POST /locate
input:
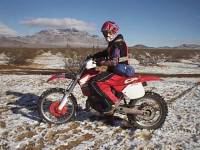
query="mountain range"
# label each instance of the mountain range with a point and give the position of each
(57, 38)
(54, 38)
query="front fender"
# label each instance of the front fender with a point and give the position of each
(61, 76)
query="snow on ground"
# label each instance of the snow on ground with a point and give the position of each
(3, 59)
(48, 60)
(183, 67)
(21, 127)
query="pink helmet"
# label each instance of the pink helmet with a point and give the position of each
(109, 27)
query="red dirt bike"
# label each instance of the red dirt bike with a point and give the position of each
(144, 109)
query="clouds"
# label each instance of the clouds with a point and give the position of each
(6, 31)
(60, 23)
(49, 23)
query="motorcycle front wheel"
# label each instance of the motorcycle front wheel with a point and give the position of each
(154, 108)
(48, 106)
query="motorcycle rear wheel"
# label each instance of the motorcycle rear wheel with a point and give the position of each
(48, 106)
(152, 104)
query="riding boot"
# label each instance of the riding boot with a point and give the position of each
(87, 106)
(113, 108)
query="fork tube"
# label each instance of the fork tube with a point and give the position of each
(69, 90)
(67, 93)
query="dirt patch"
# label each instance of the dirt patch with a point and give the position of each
(51, 136)
(3, 109)
(144, 135)
(18, 70)
(26, 134)
(76, 142)
(34, 145)
(2, 124)
(4, 135)
(97, 144)
(3, 146)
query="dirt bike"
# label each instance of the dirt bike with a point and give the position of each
(144, 109)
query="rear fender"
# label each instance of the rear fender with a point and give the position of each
(149, 78)
(61, 76)
(134, 91)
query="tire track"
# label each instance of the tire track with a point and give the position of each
(172, 100)
(34, 71)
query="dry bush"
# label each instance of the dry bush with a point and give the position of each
(19, 56)
(150, 56)
(154, 55)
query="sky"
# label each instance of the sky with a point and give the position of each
(148, 22)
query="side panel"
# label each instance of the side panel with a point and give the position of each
(134, 91)
(83, 82)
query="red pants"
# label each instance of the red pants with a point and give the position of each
(104, 82)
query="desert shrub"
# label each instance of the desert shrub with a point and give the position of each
(154, 56)
(19, 56)
(147, 56)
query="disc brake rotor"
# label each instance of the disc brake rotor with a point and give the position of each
(149, 113)
(54, 109)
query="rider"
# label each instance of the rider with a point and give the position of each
(116, 53)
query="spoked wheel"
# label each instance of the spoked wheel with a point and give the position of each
(48, 106)
(154, 111)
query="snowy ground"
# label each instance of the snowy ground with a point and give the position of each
(22, 128)
(182, 67)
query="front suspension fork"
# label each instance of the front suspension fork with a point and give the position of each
(63, 102)
(68, 92)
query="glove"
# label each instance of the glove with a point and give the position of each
(104, 63)
(89, 56)
(101, 63)
(101, 68)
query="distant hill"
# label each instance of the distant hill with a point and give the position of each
(182, 46)
(140, 46)
(189, 46)
(16, 42)
(55, 38)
